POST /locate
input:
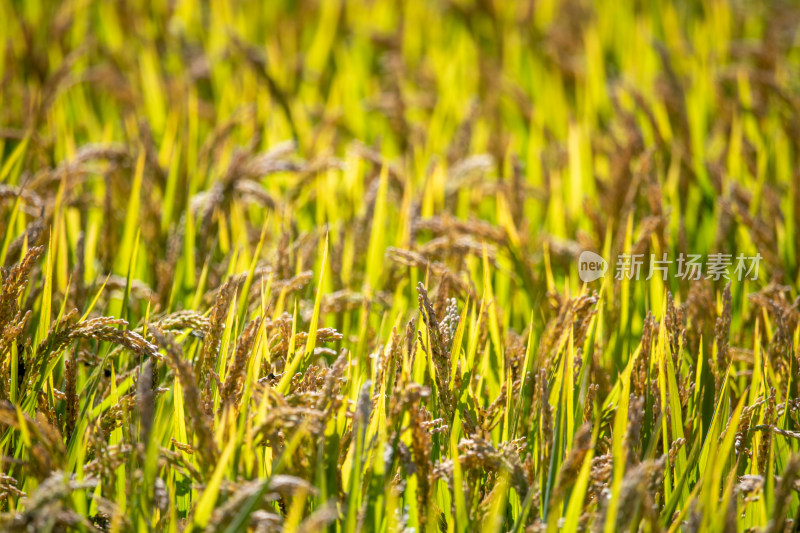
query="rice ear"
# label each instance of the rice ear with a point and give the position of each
(234, 382)
(211, 342)
(202, 424)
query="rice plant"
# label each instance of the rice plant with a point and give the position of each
(321, 265)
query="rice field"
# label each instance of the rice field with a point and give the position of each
(312, 265)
